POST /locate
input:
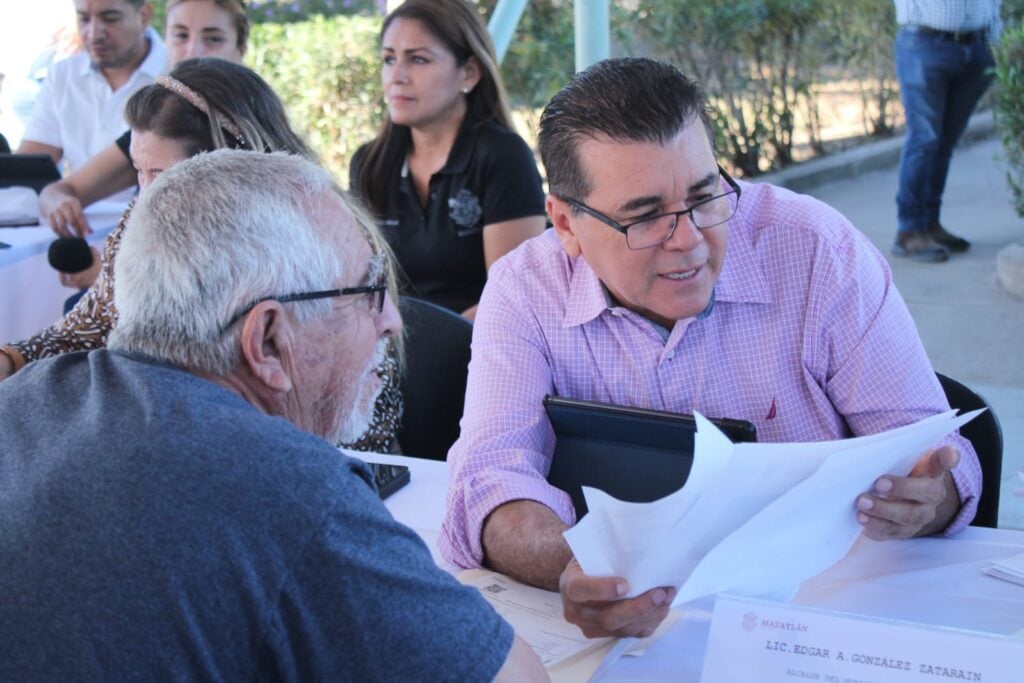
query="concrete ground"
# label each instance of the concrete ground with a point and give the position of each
(972, 329)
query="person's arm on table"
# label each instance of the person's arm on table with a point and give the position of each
(523, 539)
(33, 147)
(880, 378)
(369, 582)
(62, 203)
(88, 324)
(504, 449)
(501, 512)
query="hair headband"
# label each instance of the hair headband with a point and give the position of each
(193, 98)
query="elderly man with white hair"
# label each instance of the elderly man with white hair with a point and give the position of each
(170, 506)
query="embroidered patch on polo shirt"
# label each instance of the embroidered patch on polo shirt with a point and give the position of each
(464, 210)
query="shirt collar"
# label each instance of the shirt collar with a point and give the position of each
(586, 299)
(742, 279)
(155, 62)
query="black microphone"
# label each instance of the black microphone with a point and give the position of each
(69, 254)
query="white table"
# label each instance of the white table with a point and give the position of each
(31, 296)
(932, 581)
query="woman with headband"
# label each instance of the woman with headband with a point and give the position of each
(204, 104)
(195, 28)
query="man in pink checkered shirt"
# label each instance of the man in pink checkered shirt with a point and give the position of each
(634, 298)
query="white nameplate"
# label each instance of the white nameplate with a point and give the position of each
(755, 640)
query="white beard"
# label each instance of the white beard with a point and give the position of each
(359, 417)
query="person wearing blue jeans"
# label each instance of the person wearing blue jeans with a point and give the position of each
(943, 61)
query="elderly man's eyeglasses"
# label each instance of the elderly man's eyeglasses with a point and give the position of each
(652, 231)
(376, 291)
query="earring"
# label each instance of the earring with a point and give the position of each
(465, 91)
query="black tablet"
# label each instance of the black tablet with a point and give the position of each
(633, 454)
(31, 170)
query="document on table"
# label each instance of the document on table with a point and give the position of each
(1011, 569)
(753, 519)
(537, 617)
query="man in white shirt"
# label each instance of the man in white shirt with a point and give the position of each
(80, 109)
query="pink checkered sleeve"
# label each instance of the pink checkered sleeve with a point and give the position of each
(878, 360)
(967, 477)
(503, 451)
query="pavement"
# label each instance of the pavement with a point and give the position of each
(972, 328)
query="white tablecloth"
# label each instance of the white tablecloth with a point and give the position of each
(31, 296)
(936, 581)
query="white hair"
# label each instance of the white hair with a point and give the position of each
(210, 237)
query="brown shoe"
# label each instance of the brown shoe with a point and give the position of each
(948, 239)
(919, 246)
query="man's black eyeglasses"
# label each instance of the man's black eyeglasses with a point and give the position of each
(652, 231)
(378, 289)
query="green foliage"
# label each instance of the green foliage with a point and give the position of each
(1013, 12)
(291, 11)
(286, 11)
(1009, 104)
(761, 60)
(541, 57)
(159, 15)
(702, 39)
(860, 40)
(327, 72)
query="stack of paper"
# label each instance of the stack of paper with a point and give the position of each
(1011, 569)
(753, 519)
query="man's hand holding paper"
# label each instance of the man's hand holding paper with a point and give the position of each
(597, 604)
(522, 530)
(920, 504)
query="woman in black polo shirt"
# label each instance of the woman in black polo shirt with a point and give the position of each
(452, 185)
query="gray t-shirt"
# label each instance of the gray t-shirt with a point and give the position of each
(156, 526)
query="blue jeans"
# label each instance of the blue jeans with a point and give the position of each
(940, 82)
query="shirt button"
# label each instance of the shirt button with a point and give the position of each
(670, 355)
(617, 312)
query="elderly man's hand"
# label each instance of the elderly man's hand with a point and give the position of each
(595, 604)
(917, 505)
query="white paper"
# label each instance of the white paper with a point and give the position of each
(537, 617)
(1011, 569)
(535, 614)
(753, 519)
